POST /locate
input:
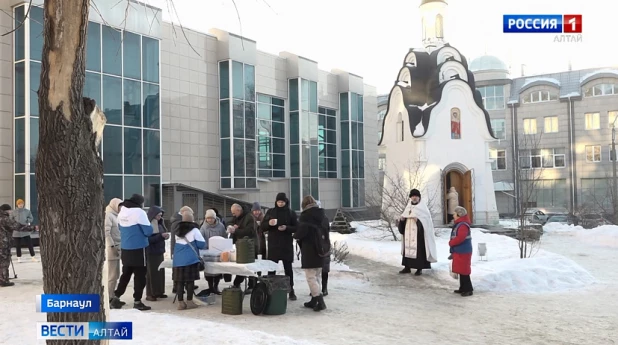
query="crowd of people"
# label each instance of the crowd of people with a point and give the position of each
(135, 241)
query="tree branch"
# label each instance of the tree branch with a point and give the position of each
(22, 22)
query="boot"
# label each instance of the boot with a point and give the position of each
(182, 305)
(151, 298)
(216, 290)
(190, 304)
(418, 272)
(115, 303)
(325, 284)
(140, 306)
(405, 270)
(34, 259)
(293, 296)
(311, 304)
(320, 305)
(7, 284)
(467, 294)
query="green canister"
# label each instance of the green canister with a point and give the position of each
(231, 301)
(245, 251)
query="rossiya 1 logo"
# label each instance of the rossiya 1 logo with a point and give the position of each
(569, 26)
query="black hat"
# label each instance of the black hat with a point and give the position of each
(415, 192)
(5, 207)
(137, 199)
(282, 197)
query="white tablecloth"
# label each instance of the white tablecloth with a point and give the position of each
(248, 270)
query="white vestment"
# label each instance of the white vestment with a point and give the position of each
(409, 245)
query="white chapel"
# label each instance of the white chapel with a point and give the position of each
(436, 123)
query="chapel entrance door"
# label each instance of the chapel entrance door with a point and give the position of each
(463, 185)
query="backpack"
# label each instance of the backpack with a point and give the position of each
(322, 240)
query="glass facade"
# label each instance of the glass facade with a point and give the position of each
(270, 136)
(122, 75)
(327, 136)
(237, 120)
(304, 142)
(352, 150)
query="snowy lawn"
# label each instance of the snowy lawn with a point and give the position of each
(602, 236)
(502, 272)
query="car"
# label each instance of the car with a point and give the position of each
(540, 215)
(592, 220)
(561, 219)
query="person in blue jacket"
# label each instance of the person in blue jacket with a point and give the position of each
(135, 229)
(185, 263)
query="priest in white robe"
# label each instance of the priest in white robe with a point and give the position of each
(418, 245)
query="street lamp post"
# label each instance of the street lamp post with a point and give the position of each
(615, 196)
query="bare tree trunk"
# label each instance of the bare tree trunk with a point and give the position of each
(69, 172)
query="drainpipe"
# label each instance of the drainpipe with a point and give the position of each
(572, 156)
(515, 157)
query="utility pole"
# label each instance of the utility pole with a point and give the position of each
(615, 196)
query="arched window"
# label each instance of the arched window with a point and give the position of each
(455, 123)
(604, 89)
(399, 128)
(439, 26)
(381, 114)
(540, 96)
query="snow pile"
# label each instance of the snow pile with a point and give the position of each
(560, 228)
(540, 79)
(502, 272)
(509, 223)
(603, 236)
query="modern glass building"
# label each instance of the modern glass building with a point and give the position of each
(193, 119)
(122, 75)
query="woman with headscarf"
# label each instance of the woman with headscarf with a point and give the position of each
(23, 236)
(212, 227)
(155, 279)
(280, 222)
(112, 246)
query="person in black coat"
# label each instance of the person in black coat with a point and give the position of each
(280, 224)
(314, 241)
(155, 278)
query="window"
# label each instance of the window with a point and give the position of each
(381, 114)
(327, 137)
(93, 48)
(112, 99)
(593, 153)
(270, 136)
(529, 126)
(611, 154)
(112, 51)
(352, 150)
(611, 116)
(238, 126)
(381, 163)
(112, 150)
(132, 151)
(151, 105)
(499, 128)
(596, 192)
(152, 152)
(498, 159)
(545, 193)
(593, 121)
(540, 96)
(601, 90)
(493, 97)
(132, 51)
(132, 103)
(542, 158)
(551, 124)
(150, 59)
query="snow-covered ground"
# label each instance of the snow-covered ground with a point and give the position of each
(501, 270)
(368, 299)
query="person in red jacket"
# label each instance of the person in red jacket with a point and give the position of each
(461, 249)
